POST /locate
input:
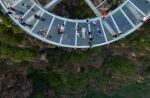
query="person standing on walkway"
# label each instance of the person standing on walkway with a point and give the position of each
(83, 31)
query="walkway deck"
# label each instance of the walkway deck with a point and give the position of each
(125, 19)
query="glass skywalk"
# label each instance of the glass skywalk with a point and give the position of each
(78, 33)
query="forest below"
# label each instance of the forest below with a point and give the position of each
(30, 68)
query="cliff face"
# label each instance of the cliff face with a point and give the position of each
(13, 81)
(32, 69)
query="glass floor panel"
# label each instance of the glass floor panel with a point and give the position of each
(134, 15)
(107, 33)
(123, 24)
(43, 25)
(83, 41)
(53, 31)
(70, 33)
(142, 5)
(24, 6)
(97, 33)
(111, 23)
(29, 17)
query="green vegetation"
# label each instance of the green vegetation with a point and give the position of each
(131, 91)
(119, 70)
(8, 23)
(16, 54)
(11, 42)
(78, 13)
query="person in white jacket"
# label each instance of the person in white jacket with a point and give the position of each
(83, 31)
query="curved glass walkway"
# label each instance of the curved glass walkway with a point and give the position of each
(60, 31)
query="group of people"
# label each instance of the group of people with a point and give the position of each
(61, 29)
(16, 13)
(144, 19)
(80, 31)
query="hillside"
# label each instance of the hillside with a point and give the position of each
(32, 69)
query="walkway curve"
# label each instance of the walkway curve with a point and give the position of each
(122, 21)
